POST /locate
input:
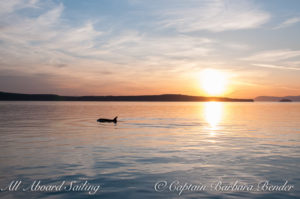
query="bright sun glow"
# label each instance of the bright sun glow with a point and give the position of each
(214, 82)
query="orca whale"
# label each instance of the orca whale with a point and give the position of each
(108, 120)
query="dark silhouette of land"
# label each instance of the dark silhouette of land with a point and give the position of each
(4, 96)
(277, 99)
(285, 100)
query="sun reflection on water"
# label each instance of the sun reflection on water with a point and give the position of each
(213, 114)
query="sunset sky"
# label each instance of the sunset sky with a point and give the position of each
(133, 47)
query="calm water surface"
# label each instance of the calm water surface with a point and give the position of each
(168, 142)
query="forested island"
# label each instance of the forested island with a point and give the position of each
(4, 96)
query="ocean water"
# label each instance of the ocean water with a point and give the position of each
(156, 150)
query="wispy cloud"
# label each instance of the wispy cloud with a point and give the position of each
(284, 59)
(215, 16)
(42, 39)
(288, 22)
(276, 66)
(274, 55)
(11, 6)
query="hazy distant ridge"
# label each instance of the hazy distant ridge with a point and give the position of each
(166, 97)
(276, 99)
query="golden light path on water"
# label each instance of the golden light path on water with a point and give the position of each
(213, 112)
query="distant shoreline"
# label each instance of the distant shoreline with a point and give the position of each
(5, 96)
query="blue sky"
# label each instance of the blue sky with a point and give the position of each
(133, 47)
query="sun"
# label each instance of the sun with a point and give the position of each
(213, 82)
